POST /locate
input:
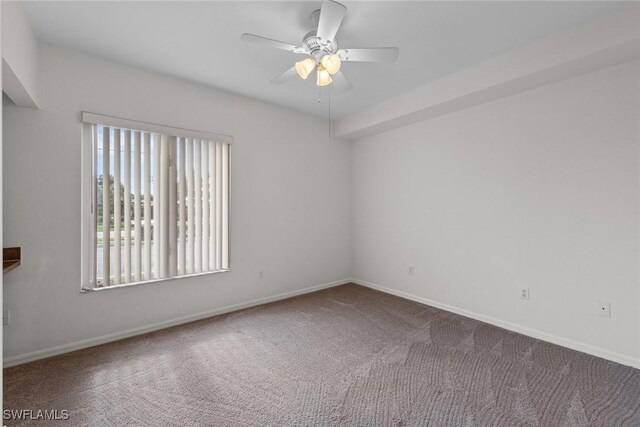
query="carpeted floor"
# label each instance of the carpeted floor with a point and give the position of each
(343, 356)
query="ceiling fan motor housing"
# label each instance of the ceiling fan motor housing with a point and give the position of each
(315, 47)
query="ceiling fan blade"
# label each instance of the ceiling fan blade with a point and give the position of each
(373, 54)
(286, 76)
(331, 16)
(341, 82)
(252, 38)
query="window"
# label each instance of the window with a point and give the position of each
(155, 202)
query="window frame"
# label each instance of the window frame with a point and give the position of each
(89, 159)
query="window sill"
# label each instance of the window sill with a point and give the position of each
(87, 290)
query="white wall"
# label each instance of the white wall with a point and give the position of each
(290, 210)
(536, 190)
(20, 51)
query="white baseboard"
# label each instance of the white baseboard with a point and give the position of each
(534, 333)
(103, 339)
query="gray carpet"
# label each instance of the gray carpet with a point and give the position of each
(343, 356)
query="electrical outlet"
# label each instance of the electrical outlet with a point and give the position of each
(411, 270)
(604, 309)
(6, 317)
(524, 293)
(260, 274)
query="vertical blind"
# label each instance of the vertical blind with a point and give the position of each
(161, 205)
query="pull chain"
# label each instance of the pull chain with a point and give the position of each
(329, 89)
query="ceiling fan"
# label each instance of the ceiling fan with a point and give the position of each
(321, 47)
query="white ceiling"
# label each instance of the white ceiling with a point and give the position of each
(200, 41)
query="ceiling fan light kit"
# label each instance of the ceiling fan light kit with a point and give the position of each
(304, 68)
(324, 78)
(321, 47)
(331, 63)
